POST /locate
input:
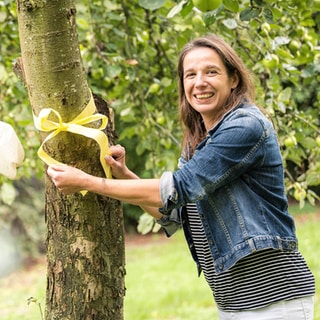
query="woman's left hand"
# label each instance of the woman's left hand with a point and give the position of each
(117, 161)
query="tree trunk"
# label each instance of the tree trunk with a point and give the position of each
(85, 240)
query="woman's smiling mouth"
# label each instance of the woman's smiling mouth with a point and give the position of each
(204, 95)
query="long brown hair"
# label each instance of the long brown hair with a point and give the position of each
(195, 130)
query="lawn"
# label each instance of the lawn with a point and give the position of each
(161, 281)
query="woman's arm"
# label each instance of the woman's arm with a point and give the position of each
(135, 191)
(131, 189)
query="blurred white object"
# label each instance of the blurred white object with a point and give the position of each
(12, 153)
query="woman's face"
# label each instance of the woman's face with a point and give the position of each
(207, 84)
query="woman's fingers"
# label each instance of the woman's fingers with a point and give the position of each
(55, 168)
(118, 152)
(67, 179)
(117, 157)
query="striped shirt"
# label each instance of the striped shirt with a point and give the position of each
(255, 281)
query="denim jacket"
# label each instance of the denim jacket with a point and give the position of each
(236, 179)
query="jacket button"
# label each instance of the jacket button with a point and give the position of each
(220, 266)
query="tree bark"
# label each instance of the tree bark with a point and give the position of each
(85, 237)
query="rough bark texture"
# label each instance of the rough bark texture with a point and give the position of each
(85, 240)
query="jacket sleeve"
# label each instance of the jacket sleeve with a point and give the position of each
(170, 222)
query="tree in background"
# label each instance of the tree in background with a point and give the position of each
(85, 242)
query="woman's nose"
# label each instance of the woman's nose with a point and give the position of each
(200, 80)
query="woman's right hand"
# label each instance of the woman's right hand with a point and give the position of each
(117, 161)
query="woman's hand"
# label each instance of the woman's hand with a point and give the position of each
(117, 162)
(68, 179)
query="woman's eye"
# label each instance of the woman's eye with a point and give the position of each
(212, 72)
(189, 74)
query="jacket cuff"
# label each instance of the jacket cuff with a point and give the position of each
(170, 223)
(168, 192)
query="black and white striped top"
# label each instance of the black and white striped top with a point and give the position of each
(255, 281)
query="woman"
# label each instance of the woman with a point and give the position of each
(228, 193)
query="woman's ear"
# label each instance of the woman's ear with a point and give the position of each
(235, 80)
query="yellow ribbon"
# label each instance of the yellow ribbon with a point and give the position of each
(87, 116)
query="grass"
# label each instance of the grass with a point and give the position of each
(17, 288)
(161, 281)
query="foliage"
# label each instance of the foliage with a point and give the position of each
(130, 49)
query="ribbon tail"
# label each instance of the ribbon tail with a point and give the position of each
(44, 155)
(106, 168)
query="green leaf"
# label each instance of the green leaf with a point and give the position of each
(3, 17)
(146, 223)
(152, 4)
(8, 193)
(113, 71)
(268, 15)
(249, 13)
(285, 95)
(282, 53)
(176, 9)
(3, 73)
(232, 5)
(308, 72)
(128, 132)
(275, 13)
(230, 23)
(166, 82)
(209, 18)
(307, 142)
(280, 41)
(259, 2)
(82, 24)
(187, 9)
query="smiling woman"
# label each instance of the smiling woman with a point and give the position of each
(228, 194)
(226, 60)
(207, 84)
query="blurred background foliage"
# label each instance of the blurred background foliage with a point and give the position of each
(129, 51)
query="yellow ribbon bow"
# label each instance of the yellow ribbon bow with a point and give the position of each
(87, 116)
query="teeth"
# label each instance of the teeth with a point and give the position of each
(204, 96)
